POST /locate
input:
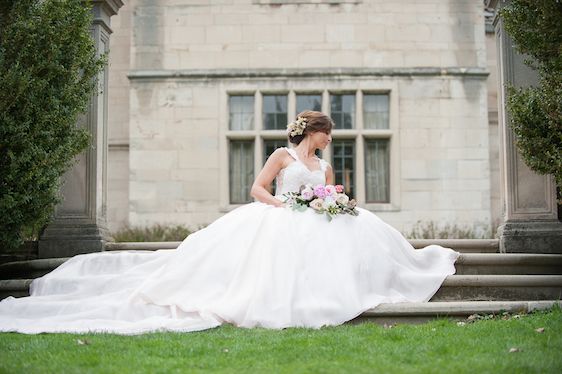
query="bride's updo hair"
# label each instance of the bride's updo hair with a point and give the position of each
(315, 122)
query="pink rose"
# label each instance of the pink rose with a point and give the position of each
(330, 190)
(320, 191)
(339, 188)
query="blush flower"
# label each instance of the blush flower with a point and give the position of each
(317, 204)
(322, 199)
(339, 188)
(330, 190)
(307, 193)
(320, 191)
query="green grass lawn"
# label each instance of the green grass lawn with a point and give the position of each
(438, 346)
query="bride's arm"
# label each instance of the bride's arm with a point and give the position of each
(271, 168)
(329, 175)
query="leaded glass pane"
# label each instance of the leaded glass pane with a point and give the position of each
(342, 109)
(241, 170)
(343, 164)
(275, 112)
(241, 112)
(309, 102)
(377, 170)
(375, 111)
(269, 146)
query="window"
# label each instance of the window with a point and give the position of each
(275, 112)
(377, 173)
(343, 164)
(241, 156)
(375, 111)
(309, 102)
(363, 149)
(342, 109)
(241, 112)
(269, 146)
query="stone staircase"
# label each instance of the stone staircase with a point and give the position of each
(486, 282)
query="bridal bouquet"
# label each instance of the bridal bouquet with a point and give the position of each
(329, 200)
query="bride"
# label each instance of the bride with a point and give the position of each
(263, 264)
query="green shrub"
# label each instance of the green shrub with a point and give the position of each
(536, 112)
(48, 65)
(156, 233)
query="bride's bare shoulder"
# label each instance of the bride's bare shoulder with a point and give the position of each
(281, 157)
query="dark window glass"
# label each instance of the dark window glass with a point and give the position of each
(377, 170)
(269, 146)
(309, 102)
(375, 111)
(343, 164)
(241, 170)
(241, 112)
(342, 109)
(275, 112)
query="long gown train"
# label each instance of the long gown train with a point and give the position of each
(256, 266)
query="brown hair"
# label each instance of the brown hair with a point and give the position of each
(316, 122)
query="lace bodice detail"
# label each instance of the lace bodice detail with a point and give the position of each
(296, 174)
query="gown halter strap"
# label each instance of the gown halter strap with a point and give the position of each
(292, 152)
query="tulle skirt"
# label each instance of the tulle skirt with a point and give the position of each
(255, 266)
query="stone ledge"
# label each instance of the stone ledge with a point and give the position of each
(485, 245)
(135, 246)
(474, 72)
(15, 285)
(489, 245)
(458, 308)
(503, 281)
(494, 259)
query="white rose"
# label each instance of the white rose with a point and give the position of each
(316, 204)
(342, 199)
(329, 202)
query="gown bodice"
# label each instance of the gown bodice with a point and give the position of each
(296, 174)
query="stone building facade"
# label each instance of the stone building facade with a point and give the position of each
(201, 90)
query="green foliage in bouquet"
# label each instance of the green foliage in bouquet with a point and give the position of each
(536, 112)
(48, 65)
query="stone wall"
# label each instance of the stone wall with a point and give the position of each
(186, 56)
(118, 118)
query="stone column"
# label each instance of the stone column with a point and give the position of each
(529, 199)
(79, 223)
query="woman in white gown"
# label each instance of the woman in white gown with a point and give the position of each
(262, 264)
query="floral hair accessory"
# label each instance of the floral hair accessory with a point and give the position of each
(297, 127)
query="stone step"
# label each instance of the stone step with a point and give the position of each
(460, 245)
(500, 287)
(14, 287)
(508, 263)
(467, 264)
(454, 288)
(31, 268)
(421, 312)
(387, 313)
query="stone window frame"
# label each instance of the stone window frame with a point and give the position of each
(299, 2)
(359, 133)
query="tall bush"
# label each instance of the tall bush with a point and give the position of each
(48, 66)
(536, 112)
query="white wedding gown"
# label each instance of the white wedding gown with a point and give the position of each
(256, 266)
